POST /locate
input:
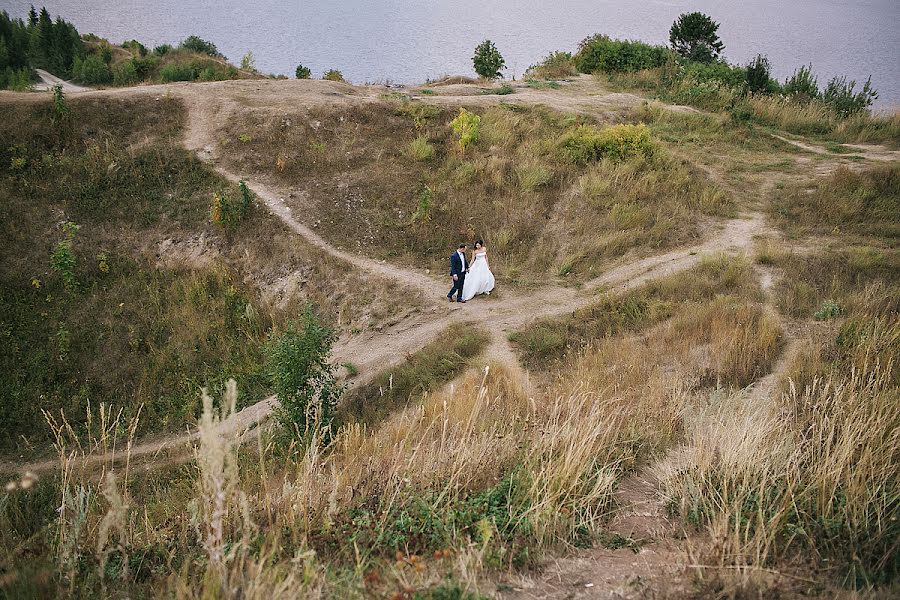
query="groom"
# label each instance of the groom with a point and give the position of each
(458, 270)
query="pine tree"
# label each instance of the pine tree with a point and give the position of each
(32, 17)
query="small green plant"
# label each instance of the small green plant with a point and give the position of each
(427, 92)
(488, 61)
(61, 110)
(759, 75)
(103, 262)
(352, 369)
(245, 138)
(303, 378)
(333, 75)
(227, 211)
(420, 149)
(503, 90)
(467, 126)
(423, 210)
(537, 84)
(302, 72)
(802, 85)
(248, 62)
(830, 310)
(694, 36)
(62, 259)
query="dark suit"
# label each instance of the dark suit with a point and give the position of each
(458, 265)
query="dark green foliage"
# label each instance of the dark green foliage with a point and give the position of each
(802, 85)
(302, 376)
(759, 76)
(196, 44)
(720, 72)
(62, 259)
(162, 49)
(487, 60)
(178, 72)
(693, 36)
(333, 75)
(601, 53)
(92, 70)
(38, 43)
(302, 72)
(136, 48)
(843, 98)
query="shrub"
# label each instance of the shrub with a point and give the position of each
(302, 377)
(487, 60)
(136, 48)
(423, 209)
(62, 259)
(586, 143)
(557, 65)
(720, 72)
(92, 70)
(125, 74)
(420, 149)
(759, 76)
(162, 49)
(248, 62)
(302, 72)
(802, 85)
(227, 211)
(333, 75)
(843, 98)
(467, 126)
(601, 53)
(178, 72)
(693, 36)
(196, 44)
(18, 80)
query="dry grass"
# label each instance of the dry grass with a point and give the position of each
(362, 169)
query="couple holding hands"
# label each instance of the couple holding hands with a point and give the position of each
(470, 278)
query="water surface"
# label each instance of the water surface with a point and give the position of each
(410, 40)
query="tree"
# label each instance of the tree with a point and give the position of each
(302, 377)
(302, 72)
(693, 36)
(487, 60)
(759, 75)
(32, 17)
(201, 46)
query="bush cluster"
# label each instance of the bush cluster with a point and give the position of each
(467, 126)
(586, 143)
(602, 53)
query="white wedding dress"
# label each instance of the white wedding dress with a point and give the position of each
(479, 279)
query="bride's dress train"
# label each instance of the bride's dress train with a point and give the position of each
(479, 279)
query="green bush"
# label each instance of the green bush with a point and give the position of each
(178, 72)
(302, 72)
(196, 44)
(228, 211)
(92, 70)
(137, 49)
(557, 65)
(586, 143)
(802, 85)
(601, 53)
(841, 96)
(720, 72)
(16, 80)
(467, 126)
(302, 377)
(125, 74)
(62, 259)
(759, 76)
(162, 49)
(333, 75)
(487, 60)
(693, 36)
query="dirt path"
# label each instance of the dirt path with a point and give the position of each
(49, 81)
(867, 151)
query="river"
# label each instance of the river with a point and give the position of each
(408, 41)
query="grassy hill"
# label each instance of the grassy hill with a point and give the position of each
(690, 354)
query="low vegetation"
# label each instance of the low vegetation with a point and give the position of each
(610, 189)
(118, 287)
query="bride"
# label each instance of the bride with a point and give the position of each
(479, 279)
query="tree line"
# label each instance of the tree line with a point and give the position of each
(37, 42)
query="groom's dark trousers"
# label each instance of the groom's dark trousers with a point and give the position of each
(458, 268)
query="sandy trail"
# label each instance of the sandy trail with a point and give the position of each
(49, 81)
(209, 105)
